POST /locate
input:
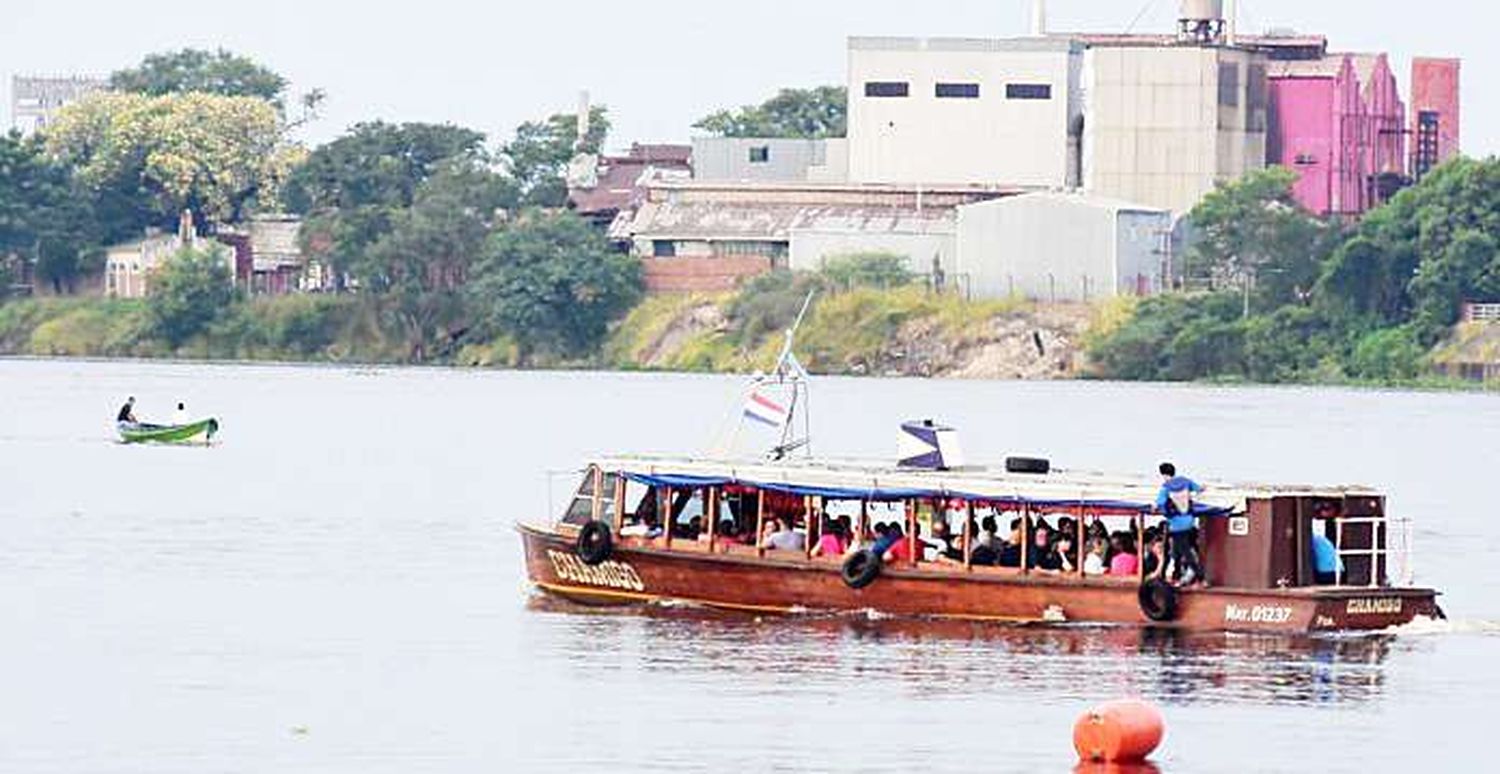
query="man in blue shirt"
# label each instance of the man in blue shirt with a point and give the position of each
(1175, 501)
(1327, 566)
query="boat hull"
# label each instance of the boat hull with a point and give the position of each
(637, 574)
(201, 431)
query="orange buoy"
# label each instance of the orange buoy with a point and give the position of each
(1118, 732)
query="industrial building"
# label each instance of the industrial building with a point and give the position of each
(1063, 247)
(957, 111)
(767, 160)
(1435, 126)
(36, 100)
(1105, 140)
(699, 236)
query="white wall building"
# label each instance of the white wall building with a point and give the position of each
(1164, 124)
(925, 240)
(961, 111)
(757, 159)
(1062, 247)
(36, 100)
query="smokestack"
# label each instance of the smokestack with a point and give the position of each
(1039, 19)
(583, 120)
(1231, 22)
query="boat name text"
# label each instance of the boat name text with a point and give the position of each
(610, 575)
(1272, 614)
(1388, 606)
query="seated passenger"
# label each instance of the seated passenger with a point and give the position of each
(782, 537)
(1124, 562)
(644, 527)
(1042, 555)
(893, 547)
(1010, 553)
(943, 545)
(989, 534)
(1062, 551)
(832, 542)
(1094, 564)
(1155, 556)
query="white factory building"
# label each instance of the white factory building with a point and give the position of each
(1063, 247)
(957, 111)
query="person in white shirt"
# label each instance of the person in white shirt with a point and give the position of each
(180, 416)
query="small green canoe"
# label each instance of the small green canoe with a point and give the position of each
(141, 433)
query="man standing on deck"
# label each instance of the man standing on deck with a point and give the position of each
(1175, 502)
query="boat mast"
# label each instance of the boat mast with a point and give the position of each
(790, 371)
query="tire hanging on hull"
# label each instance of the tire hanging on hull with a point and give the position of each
(861, 569)
(1158, 600)
(595, 543)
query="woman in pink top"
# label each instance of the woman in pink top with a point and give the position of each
(832, 543)
(1125, 561)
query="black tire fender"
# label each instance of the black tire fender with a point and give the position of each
(1158, 600)
(861, 569)
(595, 543)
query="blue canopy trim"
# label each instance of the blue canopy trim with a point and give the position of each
(896, 494)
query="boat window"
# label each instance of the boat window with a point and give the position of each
(581, 509)
(688, 508)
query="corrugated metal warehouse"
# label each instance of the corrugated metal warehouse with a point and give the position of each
(1062, 247)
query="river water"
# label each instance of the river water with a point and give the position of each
(336, 586)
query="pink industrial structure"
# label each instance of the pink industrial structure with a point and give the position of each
(1338, 121)
(1434, 113)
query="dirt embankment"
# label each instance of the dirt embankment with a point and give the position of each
(871, 334)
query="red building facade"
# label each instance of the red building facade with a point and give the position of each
(1435, 126)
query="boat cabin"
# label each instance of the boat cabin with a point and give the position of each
(1024, 520)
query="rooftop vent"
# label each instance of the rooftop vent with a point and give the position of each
(1201, 22)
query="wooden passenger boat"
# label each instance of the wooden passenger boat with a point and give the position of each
(1255, 541)
(192, 432)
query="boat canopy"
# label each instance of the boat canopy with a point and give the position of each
(1058, 490)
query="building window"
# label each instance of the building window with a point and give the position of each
(664, 248)
(958, 91)
(760, 154)
(1306, 160)
(1028, 91)
(1229, 85)
(887, 89)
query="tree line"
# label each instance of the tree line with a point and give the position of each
(444, 235)
(1295, 298)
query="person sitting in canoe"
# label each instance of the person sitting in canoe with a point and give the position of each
(127, 412)
(180, 416)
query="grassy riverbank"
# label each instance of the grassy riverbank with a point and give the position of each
(863, 331)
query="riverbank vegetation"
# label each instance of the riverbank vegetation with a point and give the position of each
(1290, 298)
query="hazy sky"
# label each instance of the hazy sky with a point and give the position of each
(658, 64)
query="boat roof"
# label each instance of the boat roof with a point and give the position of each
(874, 480)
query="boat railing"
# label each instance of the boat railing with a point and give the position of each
(1389, 552)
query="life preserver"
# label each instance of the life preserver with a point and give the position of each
(861, 569)
(595, 543)
(1158, 600)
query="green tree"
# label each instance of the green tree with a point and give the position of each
(1425, 252)
(538, 156)
(420, 267)
(188, 292)
(45, 218)
(1254, 231)
(869, 269)
(810, 113)
(551, 283)
(193, 70)
(221, 157)
(351, 190)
